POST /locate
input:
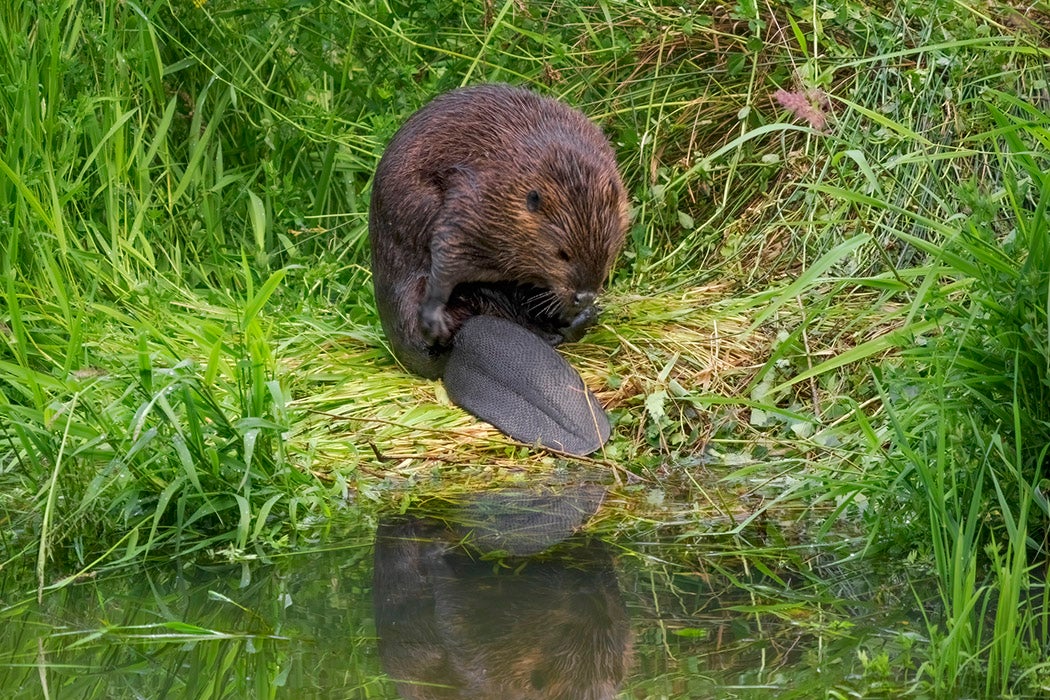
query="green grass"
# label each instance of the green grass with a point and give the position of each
(974, 435)
(838, 337)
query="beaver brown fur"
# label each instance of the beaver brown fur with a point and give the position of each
(492, 200)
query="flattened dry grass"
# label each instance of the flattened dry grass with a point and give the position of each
(362, 411)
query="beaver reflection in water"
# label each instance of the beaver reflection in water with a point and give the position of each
(492, 200)
(452, 625)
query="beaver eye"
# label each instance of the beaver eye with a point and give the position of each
(532, 200)
(563, 255)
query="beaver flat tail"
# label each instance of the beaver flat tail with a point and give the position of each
(509, 377)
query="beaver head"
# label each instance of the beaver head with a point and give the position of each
(559, 224)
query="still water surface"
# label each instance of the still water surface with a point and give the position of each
(498, 597)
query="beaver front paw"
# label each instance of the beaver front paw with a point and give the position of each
(434, 323)
(578, 326)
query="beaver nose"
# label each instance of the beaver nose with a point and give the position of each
(582, 300)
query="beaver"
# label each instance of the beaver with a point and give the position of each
(492, 200)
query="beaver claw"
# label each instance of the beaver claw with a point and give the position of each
(433, 323)
(578, 326)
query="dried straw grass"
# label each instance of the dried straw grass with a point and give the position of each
(367, 420)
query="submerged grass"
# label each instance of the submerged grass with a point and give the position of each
(829, 325)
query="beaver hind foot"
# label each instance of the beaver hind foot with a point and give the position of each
(512, 378)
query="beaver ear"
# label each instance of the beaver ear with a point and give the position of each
(532, 200)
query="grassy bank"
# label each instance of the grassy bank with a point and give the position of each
(831, 312)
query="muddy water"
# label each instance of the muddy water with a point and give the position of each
(492, 598)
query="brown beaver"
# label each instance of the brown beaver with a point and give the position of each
(492, 200)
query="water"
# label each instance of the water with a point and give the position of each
(491, 598)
